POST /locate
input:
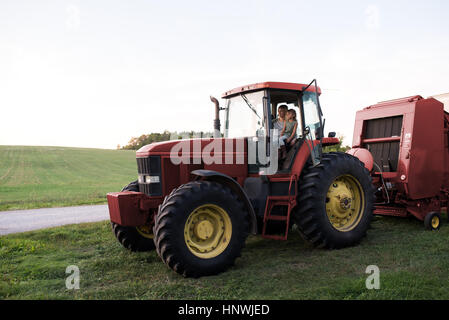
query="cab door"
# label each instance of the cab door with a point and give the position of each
(312, 119)
(260, 146)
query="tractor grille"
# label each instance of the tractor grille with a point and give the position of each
(385, 154)
(150, 166)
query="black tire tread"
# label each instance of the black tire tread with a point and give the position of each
(428, 221)
(308, 217)
(165, 225)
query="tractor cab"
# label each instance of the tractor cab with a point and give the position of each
(252, 112)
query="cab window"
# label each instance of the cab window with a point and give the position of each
(291, 100)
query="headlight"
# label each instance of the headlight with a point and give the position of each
(152, 179)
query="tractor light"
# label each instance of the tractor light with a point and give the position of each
(152, 179)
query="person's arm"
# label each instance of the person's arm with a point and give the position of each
(283, 129)
(293, 133)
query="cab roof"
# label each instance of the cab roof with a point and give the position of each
(267, 85)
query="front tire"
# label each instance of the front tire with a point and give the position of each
(138, 239)
(336, 202)
(200, 229)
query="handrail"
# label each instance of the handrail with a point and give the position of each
(381, 140)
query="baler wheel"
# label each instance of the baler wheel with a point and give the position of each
(432, 221)
(336, 200)
(134, 238)
(200, 229)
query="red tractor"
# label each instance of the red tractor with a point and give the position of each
(197, 200)
(404, 143)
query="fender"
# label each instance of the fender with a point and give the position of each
(210, 175)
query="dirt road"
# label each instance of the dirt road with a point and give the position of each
(34, 219)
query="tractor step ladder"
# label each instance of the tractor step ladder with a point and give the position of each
(273, 201)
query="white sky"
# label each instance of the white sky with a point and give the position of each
(96, 73)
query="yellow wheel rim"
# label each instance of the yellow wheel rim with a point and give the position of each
(207, 231)
(435, 222)
(145, 231)
(345, 203)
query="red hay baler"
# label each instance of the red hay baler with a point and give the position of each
(404, 144)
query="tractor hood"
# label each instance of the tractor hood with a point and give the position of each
(156, 148)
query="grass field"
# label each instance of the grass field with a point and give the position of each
(413, 264)
(36, 177)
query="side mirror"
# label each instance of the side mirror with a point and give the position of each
(332, 134)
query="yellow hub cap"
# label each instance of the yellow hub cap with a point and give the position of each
(207, 231)
(345, 203)
(435, 222)
(145, 231)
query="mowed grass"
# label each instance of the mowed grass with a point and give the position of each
(36, 177)
(413, 264)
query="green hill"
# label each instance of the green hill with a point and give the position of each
(36, 177)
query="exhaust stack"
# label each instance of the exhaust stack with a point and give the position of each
(217, 124)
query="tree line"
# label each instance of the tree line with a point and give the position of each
(136, 143)
(338, 147)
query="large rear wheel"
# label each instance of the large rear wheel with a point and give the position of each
(336, 201)
(200, 229)
(134, 238)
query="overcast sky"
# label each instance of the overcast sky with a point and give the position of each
(96, 73)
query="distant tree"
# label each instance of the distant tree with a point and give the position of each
(194, 134)
(338, 147)
(136, 143)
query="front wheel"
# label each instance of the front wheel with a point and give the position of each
(200, 229)
(336, 200)
(137, 239)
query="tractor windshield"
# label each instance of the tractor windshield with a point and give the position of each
(311, 114)
(244, 115)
